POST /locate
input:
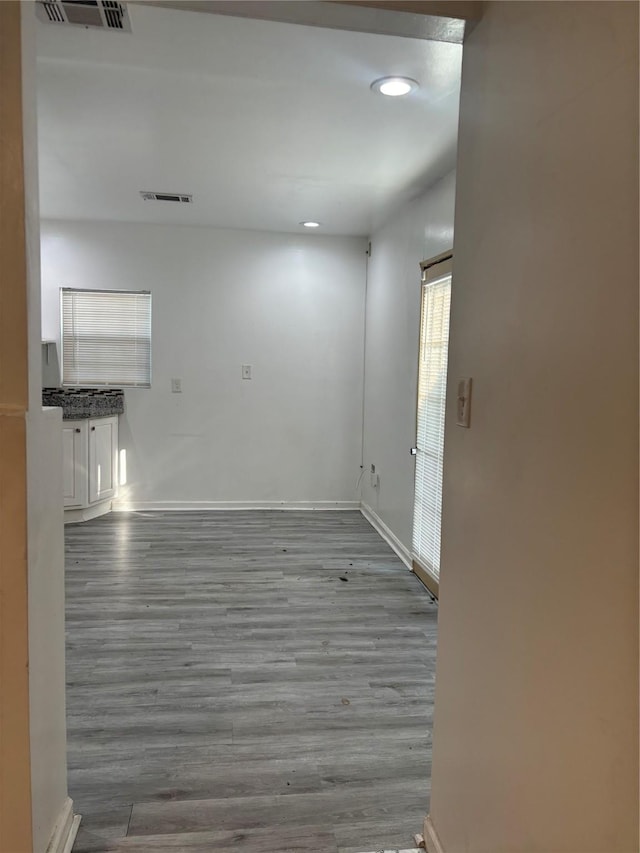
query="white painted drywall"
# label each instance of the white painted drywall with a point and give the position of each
(419, 230)
(46, 623)
(536, 704)
(44, 514)
(291, 306)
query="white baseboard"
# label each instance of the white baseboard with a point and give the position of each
(68, 847)
(71, 516)
(431, 839)
(212, 506)
(387, 534)
(65, 829)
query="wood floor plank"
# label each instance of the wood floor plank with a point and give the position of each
(255, 681)
(298, 839)
(372, 801)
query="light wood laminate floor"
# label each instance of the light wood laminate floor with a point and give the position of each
(246, 681)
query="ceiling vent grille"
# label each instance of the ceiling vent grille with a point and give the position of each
(183, 198)
(91, 14)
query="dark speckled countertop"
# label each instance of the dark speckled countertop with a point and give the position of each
(78, 403)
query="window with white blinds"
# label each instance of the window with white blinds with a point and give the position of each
(432, 392)
(106, 337)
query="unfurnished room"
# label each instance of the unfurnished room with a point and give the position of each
(319, 426)
(226, 204)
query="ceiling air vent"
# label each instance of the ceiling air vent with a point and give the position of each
(179, 197)
(92, 14)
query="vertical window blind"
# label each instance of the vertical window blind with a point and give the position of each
(106, 337)
(432, 393)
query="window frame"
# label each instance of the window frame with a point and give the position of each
(432, 271)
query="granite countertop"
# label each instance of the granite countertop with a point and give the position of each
(79, 403)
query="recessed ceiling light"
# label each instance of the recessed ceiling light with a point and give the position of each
(394, 87)
(310, 224)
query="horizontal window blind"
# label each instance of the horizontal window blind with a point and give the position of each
(106, 337)
(432, 393)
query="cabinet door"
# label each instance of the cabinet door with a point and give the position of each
(103, 458)
(74, 463)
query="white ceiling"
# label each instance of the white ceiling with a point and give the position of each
(266, 124)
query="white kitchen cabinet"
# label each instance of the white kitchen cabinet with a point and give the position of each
(74, 459)
(103, 458)
(90, 466)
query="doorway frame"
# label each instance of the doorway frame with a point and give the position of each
(15, 748)
(16, 813)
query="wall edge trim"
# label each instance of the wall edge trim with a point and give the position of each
(73, 831)
(214, 506)
(65, 829)
(431, 837)
(387, 534)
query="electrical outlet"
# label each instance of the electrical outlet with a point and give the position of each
(246, 371)
(176, 386)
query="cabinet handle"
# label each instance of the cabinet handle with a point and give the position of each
(93, 429)
(78, 429)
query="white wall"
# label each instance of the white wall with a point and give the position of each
(46, 625)
(418, 231)
(536, 704)
(290, 305)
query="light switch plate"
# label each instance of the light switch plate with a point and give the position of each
(246, 371)
(463, 403)
(176, 386)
